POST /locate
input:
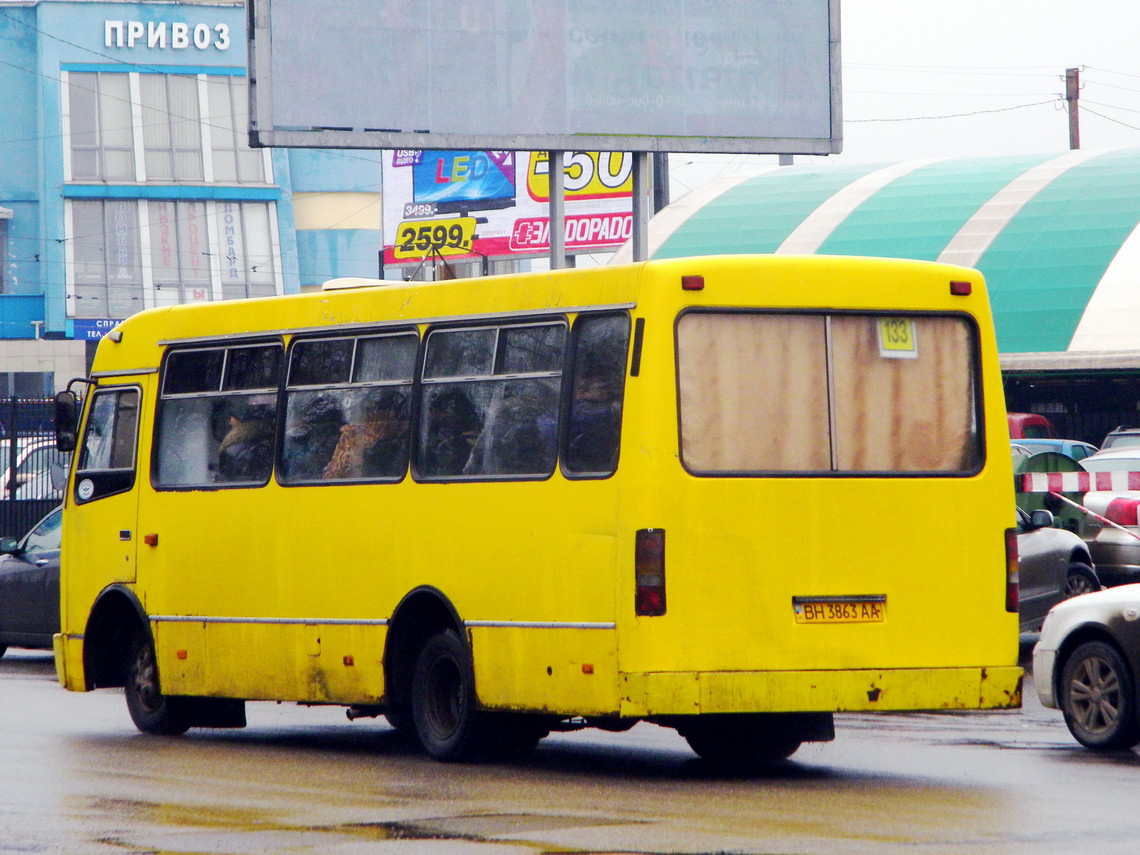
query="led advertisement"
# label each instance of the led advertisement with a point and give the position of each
(468, 205)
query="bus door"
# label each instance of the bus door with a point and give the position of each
(104, 532)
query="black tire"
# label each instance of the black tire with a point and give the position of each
(1080, 580)
(3, 650)
(443, 699)
(401, 720)
(741, 742)
(151, 711)
(1098, 698)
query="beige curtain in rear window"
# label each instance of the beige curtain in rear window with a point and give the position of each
(753, 392)
(903, 415)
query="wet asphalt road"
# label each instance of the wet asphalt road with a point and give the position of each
(75, 777)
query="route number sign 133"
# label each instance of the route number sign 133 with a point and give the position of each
(897, 338)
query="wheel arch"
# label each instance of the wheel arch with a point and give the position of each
(422, 612)
(115, 618)
(1081, 555)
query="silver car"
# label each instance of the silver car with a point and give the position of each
(1085, 664)
(1053, 564)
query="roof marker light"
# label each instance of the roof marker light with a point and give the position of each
(692, 283)
(961, 289)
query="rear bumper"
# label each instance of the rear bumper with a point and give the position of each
(914, 689)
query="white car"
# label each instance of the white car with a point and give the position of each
(1085, 664)
(1115, 548)
(33, 471)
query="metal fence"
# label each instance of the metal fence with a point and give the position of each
(27, 457)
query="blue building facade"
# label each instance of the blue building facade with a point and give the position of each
(127, 182)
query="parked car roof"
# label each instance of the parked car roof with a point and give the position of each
(1124, 458)
(1028, 424)
(1120, 437)
(1075, 448)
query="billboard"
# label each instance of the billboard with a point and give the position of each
(485, 203)
(747, 76)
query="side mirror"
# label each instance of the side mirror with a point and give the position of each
(66, 421)
(57, 475)
(1041, 518)
(9, 545)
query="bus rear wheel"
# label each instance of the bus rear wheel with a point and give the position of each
(151, 711)
(741, 742)
(443, 698)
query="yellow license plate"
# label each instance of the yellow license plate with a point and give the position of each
(840, 609)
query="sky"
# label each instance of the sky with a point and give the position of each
(960, 78)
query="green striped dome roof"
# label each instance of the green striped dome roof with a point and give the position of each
(1053, 234)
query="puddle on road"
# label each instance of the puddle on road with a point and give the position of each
(214, 831)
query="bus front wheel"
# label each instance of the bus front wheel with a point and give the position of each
(443, 698)
(151, 711)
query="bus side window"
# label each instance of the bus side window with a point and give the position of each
(348, 405)
(593, 424)
(217, 416)
(489, 405)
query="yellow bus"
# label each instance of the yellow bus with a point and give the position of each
(728, 495)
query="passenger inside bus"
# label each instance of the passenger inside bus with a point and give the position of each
(377, 445)
(451, 430)
(246, 451)
(595, 421)
(312, 432)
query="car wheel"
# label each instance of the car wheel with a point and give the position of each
(1080, 580)
(3, 650)
(151, 711)
(443, 698)
(741, 742)
(1098, 698)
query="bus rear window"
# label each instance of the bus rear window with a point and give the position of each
(812, 393)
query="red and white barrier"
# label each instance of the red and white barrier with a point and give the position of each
(1078, 482)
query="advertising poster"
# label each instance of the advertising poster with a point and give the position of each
(468, 205)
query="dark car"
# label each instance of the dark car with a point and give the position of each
(1086, 665)
(29, 586)
(1053, 565)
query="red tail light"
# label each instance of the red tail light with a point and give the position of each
(1122, 511)
(1012, 585)
(649, 565)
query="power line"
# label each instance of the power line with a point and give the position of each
(952, 115)
(1110, 71)
(1108, 118)
(1109, 106)
(970, 71)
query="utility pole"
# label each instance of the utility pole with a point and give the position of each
(1072, 93)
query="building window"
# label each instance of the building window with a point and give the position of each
(25, 384)
(106, 264)
(179, 251)
(102, 145)
(234, 161)
(172, 141)
(176, 143)
(245, 250)
(198, 251)
(3, 255)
